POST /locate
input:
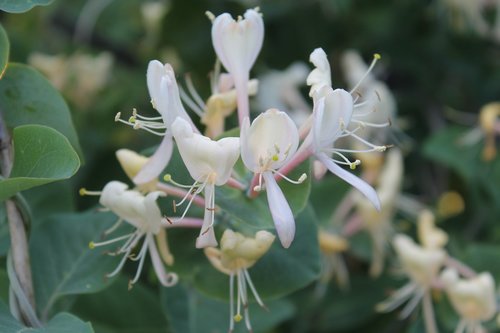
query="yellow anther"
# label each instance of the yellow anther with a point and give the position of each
(118, 116)
(210, 15)
(82, 191)
(377, 56)
(167, 177)
(353, 166)
(237, 318)
(91, 245)
(257, 188)
(132, 119)
(276, 158)
(302, 178)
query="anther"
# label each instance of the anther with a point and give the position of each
(302, 178)
(257, 188)
(237, 318)
(167, 177)
(118, 116)
(210, 15)
(91, 245)
(275, 158)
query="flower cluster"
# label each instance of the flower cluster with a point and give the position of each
(271, 146)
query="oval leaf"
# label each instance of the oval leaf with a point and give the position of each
(21, 6)
(4, 50)
(191, 312)
(26, 97)
(62, 262)
(41, 155)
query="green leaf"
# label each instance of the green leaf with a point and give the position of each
(41, 155)
(191, 312)
(4, 50)
(62, 262)
(26, 97)
(445, 147)
(61, 323)
(281, 271)
(119, 310)
(64, 323)
(21, 6)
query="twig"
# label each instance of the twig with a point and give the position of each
(18, 240)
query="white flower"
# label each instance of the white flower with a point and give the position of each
(473, 299)
(379, 223)
(236, 255)
(281, 90)
(422, 265)
(429, 235)
(321, 75)
(379, 104)
(143, 213)
(237, 44)
(266, 146)
(209, 163)
(332, 115)
(165, 98)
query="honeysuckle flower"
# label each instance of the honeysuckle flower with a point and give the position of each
(334, 111)
(165, 99)
(221, 103)
(487, 129)
(132, 162)
(281, 90)
(332, 115)
(332, 246)
(320, 76)
(267, 145)
(379, 104)
(473, 299)
(236, 255)
(379, 223)
(237, 45)
(79, 76)
(209, 163)
(429, 235)
(422, 265)
(142, 212)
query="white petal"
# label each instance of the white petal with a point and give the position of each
(246, 154)
(237, 44)
(321, 75)
(355, 181)
(337, 110)
(166, 279)
(157, 162)
(111, 192)
(272, 133)
(280, 211)
(204, 157)
(152, 213)
(207, 234)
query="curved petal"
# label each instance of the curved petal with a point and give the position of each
(355, 181)
(280, 210)
(207, 234)
(157, 162)
(166, 279)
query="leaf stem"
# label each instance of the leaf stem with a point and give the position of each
(18, 239)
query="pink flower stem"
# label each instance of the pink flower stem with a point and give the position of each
(241, 86)
(463, 269)
(234, 183)
(353, 226)
(179, 193)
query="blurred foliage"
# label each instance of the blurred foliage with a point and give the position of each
(431, 68)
